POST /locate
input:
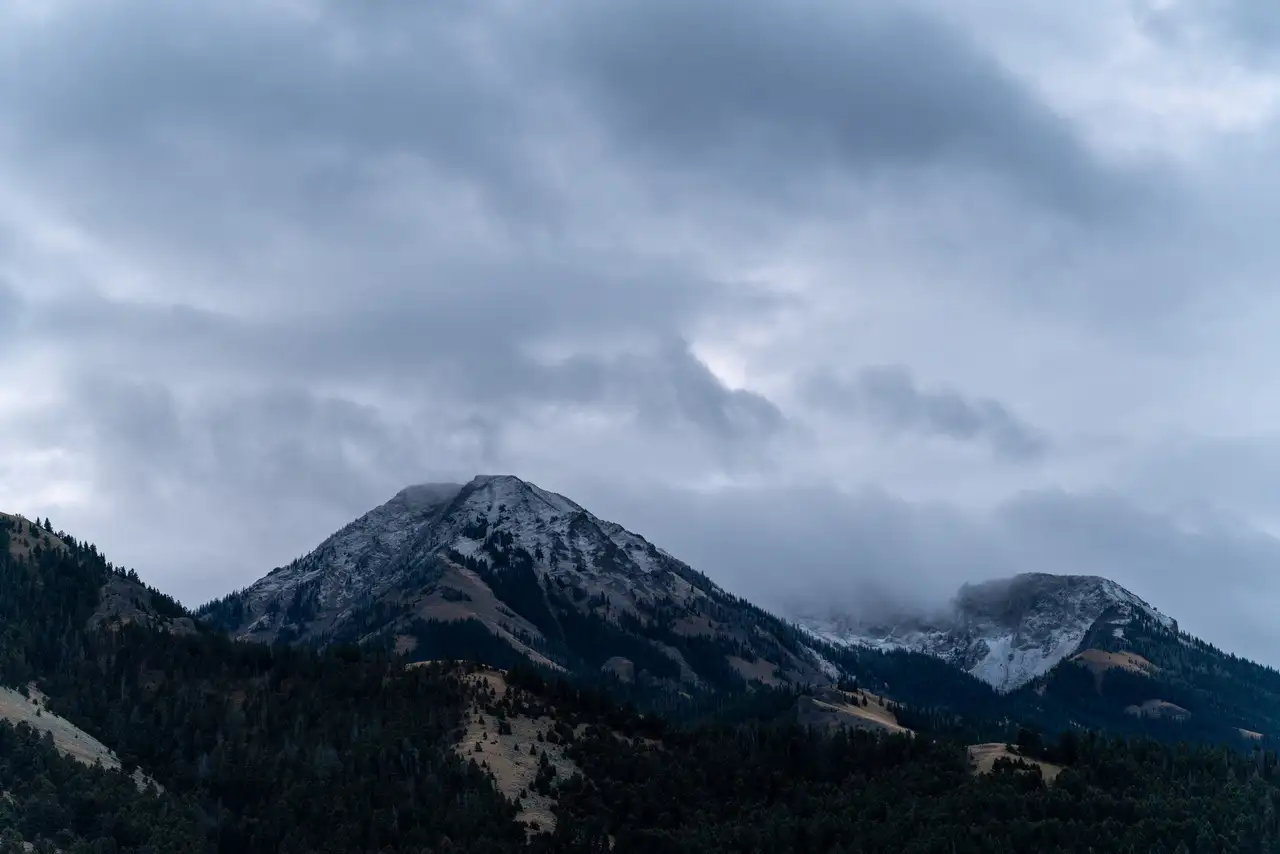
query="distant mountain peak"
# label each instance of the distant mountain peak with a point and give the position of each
(1006, 632)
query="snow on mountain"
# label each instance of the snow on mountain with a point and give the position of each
(372, 554)
(522, 561)
(1007, 632)
(344, 563)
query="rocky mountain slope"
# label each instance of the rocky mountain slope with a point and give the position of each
(290, 748)
(1068, 652)
(501, 572)
(500, 567)
(1006, 633)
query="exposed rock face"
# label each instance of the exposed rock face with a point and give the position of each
(1005, 632)
(534, 568)
(124, 601)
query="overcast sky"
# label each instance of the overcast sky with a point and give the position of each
(832, 299)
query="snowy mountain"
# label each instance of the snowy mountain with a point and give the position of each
(501, 571)
(1006, 633)
(531, 570)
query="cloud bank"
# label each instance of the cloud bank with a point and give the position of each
(834, 302)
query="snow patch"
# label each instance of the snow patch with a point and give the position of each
(829, 670)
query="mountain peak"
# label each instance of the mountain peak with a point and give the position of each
(508, 485)
(535, 574)
(1006, 631)
(500, 479)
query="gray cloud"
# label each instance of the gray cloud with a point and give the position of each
(775, 95)
(669, 384)
(11, 310)
(265, 264)
(809, 550)
(888, 396)
(421, 347)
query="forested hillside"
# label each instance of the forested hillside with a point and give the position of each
(289, 749)
(271, 749)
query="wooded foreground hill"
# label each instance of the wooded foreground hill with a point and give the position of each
(254, 748)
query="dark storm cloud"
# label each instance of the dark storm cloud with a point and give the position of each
(128, 80)
(888, 397)
(775, 94)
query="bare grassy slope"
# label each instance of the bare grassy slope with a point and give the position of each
(984, 757)
(831, 708)
(510, 748)
(69, 739)
(24, 539)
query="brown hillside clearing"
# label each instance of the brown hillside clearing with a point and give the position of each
(1158, 709)
(983, 758)
(1099, 661)
(831, 708)
(506, 756)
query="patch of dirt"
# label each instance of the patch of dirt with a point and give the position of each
(69, 739)
(1158, 709)
(759, 669)
(831, 708)
(506, 755)
(1098, 661)
(405, 644)
(983, 758)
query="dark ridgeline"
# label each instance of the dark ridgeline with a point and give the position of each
(339, 748)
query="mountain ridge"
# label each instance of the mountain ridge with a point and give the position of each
(503, 573)
(288, 748)
(1006, 632)
(533, 569)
